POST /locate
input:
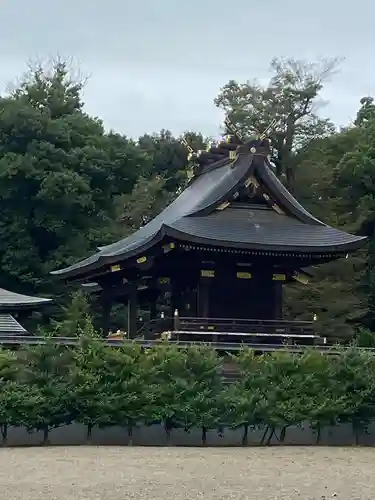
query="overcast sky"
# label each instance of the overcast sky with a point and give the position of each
(159, 63)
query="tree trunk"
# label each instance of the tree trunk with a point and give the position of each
(264, 435)
(204, 435)
(4, 434)
(272, 433)
(45, 435)
(358, 429)
(318, 433)
(130, 435)
(89, 432)
(245, 435)
(168, 430)
(283, 434)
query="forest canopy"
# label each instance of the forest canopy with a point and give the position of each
(56, 159)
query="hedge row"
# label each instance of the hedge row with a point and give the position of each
(45, 387)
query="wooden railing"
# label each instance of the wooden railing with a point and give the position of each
(230, 330)
(256, 326)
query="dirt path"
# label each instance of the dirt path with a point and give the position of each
(90, 473)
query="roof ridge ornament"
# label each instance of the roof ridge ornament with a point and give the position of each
(236, 132)
(268, 129)
(191, 152)
(192, 170)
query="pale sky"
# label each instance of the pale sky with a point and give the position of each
(159, 63)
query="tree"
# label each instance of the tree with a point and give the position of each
(44, 369)
(291, 98)
(169, 156)
(74, 316)
(282, 391)
(148, 198)
(54, 160)
(366, 112)
(354, 384)
(355, 195)
(130, 402)
(321, 186)
(8, 390)
(320, 402)
(202, 399)
(185, 387)
(245, 402)
(18, 405)
(167, 375)
(88, 394)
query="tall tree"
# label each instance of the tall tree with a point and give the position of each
(355, 194)
(59, 175)
(340, 284)
(291, 97)
(169, 156)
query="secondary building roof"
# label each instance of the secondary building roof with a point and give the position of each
(10, 326)
(10, 301)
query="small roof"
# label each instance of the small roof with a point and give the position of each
(10, 326)
(91, 287)
(10, 301)
(197, 216)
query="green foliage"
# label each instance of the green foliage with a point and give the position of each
(49, 386)
(290, 98)
(335, 192)
(186, 387)
(54, 160)
(44, 370)
(75, 316)
(169, 156)
(146, 201)
(244, 403)
(354, 385)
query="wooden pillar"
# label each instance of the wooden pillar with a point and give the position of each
(203, 298)
(278, 300)
(132, 311)
(176, 295)
(153, 299)
(106, 317)
(153, 310)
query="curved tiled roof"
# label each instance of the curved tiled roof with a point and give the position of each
(204, 194)
(11, 300)
(193, 217)
(260, 229)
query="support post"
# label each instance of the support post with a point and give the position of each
(278, 300)
(106, 317)
(153, 304)
(132, 311)
(176, 294)
(203, 298)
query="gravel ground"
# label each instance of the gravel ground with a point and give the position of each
(109, 473)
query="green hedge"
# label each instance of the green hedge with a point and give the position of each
(45, 387)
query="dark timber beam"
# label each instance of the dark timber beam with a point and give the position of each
(106, 317)
(132, 311)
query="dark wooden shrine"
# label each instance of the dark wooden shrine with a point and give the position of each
(218, 257)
